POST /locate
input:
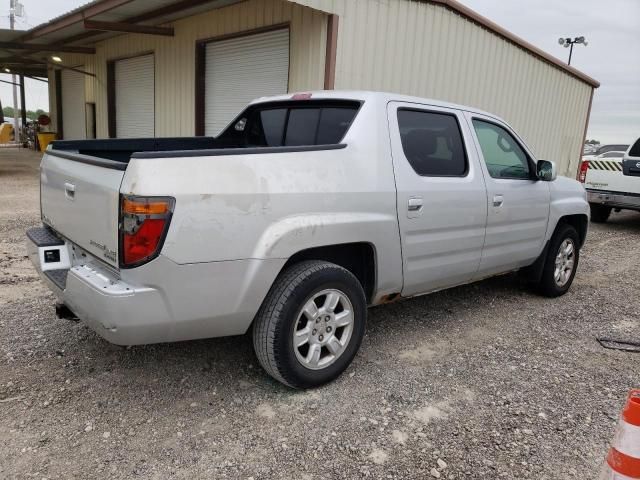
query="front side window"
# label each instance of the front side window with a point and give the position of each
(432, 143)
(502, 154)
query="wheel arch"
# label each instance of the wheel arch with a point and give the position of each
(357, 257)
(578, 221)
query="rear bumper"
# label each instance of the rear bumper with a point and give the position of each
(614, 199)
(161, 301)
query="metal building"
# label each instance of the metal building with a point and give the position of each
(131, 68)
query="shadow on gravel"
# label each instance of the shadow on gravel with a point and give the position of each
(623, 222)
(227, 364)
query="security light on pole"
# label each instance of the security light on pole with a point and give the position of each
(568, 43)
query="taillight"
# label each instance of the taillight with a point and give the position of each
(144, 222)
(582, 173)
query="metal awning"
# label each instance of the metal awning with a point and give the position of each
(77, 31)
(14, 61)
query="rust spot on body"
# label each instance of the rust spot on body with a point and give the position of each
(391, 298)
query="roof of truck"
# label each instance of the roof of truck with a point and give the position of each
(368, 95)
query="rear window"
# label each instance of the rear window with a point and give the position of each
(291, 124)
(635, 150)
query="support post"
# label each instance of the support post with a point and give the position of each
(23, 102)
(12, 23)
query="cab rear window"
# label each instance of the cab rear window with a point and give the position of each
(635, 150)
(291, 124)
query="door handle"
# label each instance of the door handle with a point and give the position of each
(498, 200)
(70, 191)
(414, 204)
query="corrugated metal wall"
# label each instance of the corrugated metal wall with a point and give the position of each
(402, 46)
(423, 49)
(175, 58)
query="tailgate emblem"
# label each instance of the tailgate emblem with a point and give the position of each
(110, 254)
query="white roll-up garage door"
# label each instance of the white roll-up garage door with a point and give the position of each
(241, 69)
(73, 102)
(135, 97)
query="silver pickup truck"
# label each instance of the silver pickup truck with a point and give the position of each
(305, 210)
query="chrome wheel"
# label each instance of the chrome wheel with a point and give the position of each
(565, 262)
(323, 329)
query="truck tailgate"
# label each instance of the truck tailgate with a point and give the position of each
(607, 175)
(79, 198)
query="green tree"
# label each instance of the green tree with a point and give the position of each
(31, 115)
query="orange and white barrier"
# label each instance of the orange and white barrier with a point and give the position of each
(623, 461)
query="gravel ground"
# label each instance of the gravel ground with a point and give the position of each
(483, 381)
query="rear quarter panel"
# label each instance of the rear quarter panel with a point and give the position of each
(273, 205)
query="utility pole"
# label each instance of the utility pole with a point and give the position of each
(569, 43)
(12, 24)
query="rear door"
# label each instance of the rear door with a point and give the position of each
(441, 196)
(517, 203)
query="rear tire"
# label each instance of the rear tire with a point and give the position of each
(310, 326)
(561, 263)
(599, 213)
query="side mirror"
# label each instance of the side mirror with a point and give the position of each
(546, 170)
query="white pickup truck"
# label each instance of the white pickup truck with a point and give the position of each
(612, 182)
(305, 210)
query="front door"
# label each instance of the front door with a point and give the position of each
(518, 203)
(441, 196)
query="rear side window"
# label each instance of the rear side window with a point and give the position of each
(432, 143)
(635, 150)
(291, 124)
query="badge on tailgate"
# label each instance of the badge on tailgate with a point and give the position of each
(109, 254)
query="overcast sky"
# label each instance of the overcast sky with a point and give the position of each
(612, 56)
(612, 28)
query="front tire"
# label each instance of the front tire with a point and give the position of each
(599, 213)
(561, 263)
(310, 326)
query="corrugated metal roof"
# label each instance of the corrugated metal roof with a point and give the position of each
(15, 61)
(70, 24)
(7, 35)
(68, 28)
(70, 12)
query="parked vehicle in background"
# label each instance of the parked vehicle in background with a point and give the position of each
(612, 182)
(613, 154)
(306, 209)
(602, 149)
